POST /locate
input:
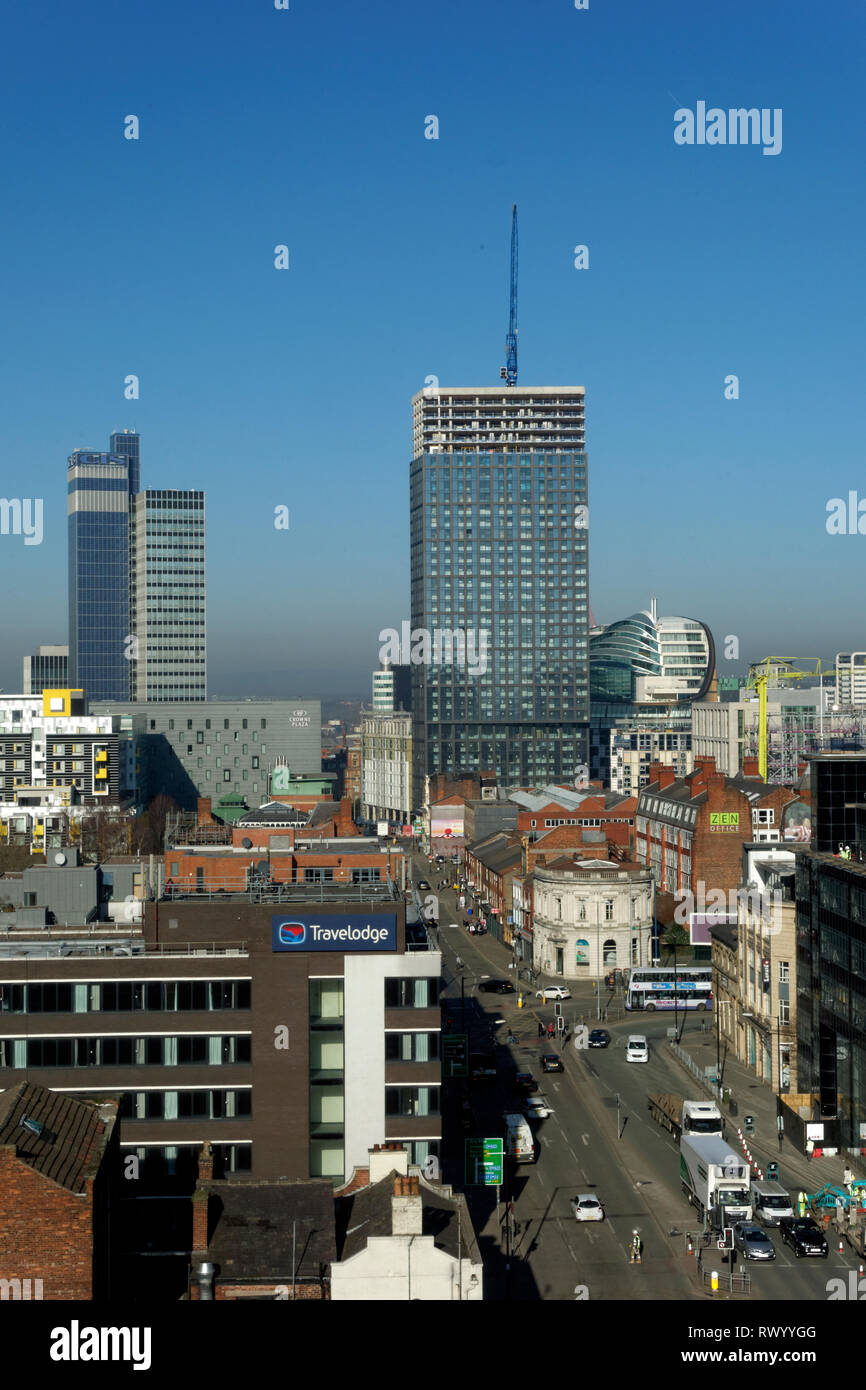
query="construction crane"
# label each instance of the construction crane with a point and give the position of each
(760, 675)
(509, 371)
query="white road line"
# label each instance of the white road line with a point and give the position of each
(585, 1138)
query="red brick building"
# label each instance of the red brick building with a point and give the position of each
(56, 1155)
(690, 831)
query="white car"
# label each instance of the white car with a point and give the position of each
(553, 992)
(537, 1108)
(587, 1207)
(636, 1049)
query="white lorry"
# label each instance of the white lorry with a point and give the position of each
(519, 1143)
(715, 1179)
(681, 1116)
(770, 1202)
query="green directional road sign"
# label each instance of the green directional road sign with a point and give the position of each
(484, 1162)
(455, 1054)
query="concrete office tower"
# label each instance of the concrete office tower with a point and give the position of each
(167, 596)
(392, 687)
(499, 584)
(46, 669)
(99, 494)
(850, 680)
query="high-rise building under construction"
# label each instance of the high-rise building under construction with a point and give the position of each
(499, 536)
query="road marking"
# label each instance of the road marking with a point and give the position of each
(585, 1138)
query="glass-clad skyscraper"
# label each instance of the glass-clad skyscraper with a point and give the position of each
(499, 583)
(167, 595)
(99, 492)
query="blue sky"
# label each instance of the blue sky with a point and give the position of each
(306, 127)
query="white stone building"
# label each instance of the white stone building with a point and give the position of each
(591, 916)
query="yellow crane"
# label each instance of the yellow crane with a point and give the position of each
(760, 674)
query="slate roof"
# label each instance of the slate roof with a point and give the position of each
(76, 1132)
(367, 1212)
(252, 1229)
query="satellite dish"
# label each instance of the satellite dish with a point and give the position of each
(247, 842)
(263, 865)
(60, 858)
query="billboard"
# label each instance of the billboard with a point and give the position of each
(446, 821)
(339, 931)
(797, 822)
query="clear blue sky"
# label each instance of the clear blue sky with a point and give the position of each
(307, 127)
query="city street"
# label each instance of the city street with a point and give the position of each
(636, 1176)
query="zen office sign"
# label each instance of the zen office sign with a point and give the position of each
(337, 932)
(724, 820)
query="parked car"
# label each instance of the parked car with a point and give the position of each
(537, 1108)
(551, 1062)
(587, 1207)
(636, 1049)
(496, 987)
(599, 1037)
(803, 1236)
(525, 1081)
(553, 992)
(752, 1241)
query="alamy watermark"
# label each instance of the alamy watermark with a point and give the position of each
(736, 126)
(422, 646)
(727, 902)
(22, 516)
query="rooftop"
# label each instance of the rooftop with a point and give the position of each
(67, 1135)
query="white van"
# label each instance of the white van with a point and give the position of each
(636, 1049)
(519, 1143)
(770, 1202)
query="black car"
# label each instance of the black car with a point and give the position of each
(551, 1062)
(803, 1236)
(525, 1081)
(482, 1067)
(496, 987)
(423, 886)
(599, 1037)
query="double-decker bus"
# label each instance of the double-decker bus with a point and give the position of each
(660, 987)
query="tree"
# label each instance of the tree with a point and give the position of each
(149, 828)
(676, 938)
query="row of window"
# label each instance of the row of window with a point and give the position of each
(168, 996)
(219, 1050)
(207, 724)
(186, 1105)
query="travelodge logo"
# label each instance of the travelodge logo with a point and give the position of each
(335, 932)
(292, 933)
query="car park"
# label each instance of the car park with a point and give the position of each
(587, 1207)
(537, 1108)
(551, 1062)
(599, 1037)
(803, 1236)
(496, 987)
(753, 1242)
(525, 1081)
(636, 1049)
(553, 992)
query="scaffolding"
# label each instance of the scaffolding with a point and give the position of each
(797, 732)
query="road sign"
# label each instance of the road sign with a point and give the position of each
(455, 1054)
(484, 1162)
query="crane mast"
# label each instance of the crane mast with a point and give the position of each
(509, 371)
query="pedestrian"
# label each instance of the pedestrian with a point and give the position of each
(847, 1178)
(810, 1148)
(636, 1247)
(540, 1029)
(550, 1030)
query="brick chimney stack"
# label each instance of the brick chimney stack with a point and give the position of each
(201, 1199)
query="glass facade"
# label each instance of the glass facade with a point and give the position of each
(167, 608)
(99, 493)
(497, 556)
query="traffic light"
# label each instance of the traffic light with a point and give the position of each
(727, 1240)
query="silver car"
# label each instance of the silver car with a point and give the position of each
(753, 1242)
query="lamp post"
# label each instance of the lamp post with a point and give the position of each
(597, 961)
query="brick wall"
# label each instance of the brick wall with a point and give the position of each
(45, 1232)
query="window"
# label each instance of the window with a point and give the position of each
(784, 972)
(254, 763)
(608, 909)
(243, 723)
(199, 738)
(318, 875)
(225, 723)
(412, 1100)
(264, 723)
(411, 993)
(411, 1047)
(609, 952)
(227, 776)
